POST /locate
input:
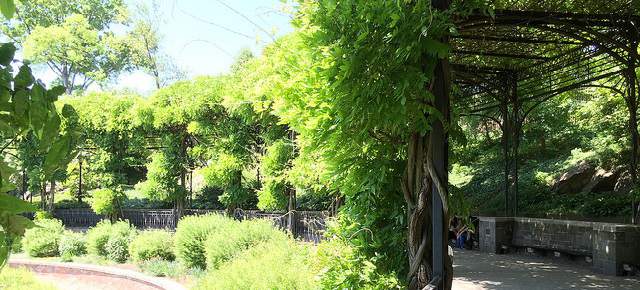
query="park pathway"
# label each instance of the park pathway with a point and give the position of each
(474, 270)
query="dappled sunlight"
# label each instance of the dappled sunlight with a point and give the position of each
(482, 271)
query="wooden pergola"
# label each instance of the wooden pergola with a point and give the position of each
(505, 65)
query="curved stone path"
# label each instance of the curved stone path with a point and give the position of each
(75, 276)
(474, 270)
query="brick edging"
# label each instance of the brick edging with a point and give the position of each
(88, 269)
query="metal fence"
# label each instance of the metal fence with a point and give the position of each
(307, 225)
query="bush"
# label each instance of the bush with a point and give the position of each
(16, 245)
(277, 264)
(72, 245)
(191, 233)
(154, 244)
(42, 215)
(43, 240)
(120, 236)
(21, 279)
(162, 268)
(106, 201)
(342, 267)
(234, 238)
(97, 238)
(111, 240)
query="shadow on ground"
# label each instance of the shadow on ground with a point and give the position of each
(474, 270)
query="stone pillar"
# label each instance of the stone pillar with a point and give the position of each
(494, 233)
(615, 246)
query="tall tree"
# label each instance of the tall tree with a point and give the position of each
(74, 39)
(149, 55)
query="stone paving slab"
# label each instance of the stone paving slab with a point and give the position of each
(474, 270)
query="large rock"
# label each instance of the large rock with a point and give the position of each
(602, 181)
(574, 180)
(623, 184)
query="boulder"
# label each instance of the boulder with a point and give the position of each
(623, 184)
(574, 180)
(603, 180)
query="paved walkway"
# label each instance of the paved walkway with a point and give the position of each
(76, 276)
(474, 270)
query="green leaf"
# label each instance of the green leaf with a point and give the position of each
(24, 78)
(59, 150)
(15, 225)
(20, 106)
(8, 8)
(7, 52)
(55, 92)
(436, 48)
(14, 205)
(49, 131)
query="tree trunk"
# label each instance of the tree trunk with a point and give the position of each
(51, 197)
(79, 180)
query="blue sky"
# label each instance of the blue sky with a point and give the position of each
(202, 48)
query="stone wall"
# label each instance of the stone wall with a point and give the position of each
(573, 237)
(615, 248)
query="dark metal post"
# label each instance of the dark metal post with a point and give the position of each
(632, 105)
(440, 156)
(24, 184)
(517, 128)
(506, 132)
(79, 179)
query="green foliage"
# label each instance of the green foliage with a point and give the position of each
(275, 165)
(228, 241)
(162, 268)
(341, 266)
(72, 245)
(226, 172)
(111, 241)
(278, 264)
(77, 40)
(42, 215)
(97, 238)
(106, 201)
(161, 182)
(21, 279)
(152, 245)
(191, 233)
(113, 124)
(44, 239)
(120, 236)
(29, 113)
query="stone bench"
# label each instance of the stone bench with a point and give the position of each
(614, 248)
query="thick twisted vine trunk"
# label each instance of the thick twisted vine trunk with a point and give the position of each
(418, 186)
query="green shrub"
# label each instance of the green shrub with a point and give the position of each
(72, 245)
(342, 267)
(154, 244)
(234, 238)
(111, 240)
(16, 245)
(97, 238)
(21, 279)
(191, 233)
(42, 215)
(162, 268)
(277, 264)
(107, 202)
(43, 240)
(120, 236)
